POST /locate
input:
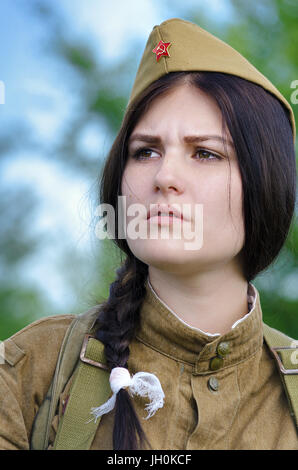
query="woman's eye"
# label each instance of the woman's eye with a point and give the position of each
(142, 154)
(205, 155)
(146, 154)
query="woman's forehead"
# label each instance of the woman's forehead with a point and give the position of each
(185, 110)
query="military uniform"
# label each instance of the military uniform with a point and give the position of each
(221, 391)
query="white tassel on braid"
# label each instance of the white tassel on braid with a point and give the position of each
(142, 383)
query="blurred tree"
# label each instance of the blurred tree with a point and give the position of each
(19, 303)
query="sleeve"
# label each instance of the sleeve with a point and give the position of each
(13, 433)
(30, 359)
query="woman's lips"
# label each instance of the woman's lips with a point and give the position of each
(164, 210)
(164, 219)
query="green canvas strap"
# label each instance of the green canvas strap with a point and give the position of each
(66, 364)
(90, 388)
(285, 351)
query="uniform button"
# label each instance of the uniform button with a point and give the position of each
(223, 349)
(213, 384)
(216, 363)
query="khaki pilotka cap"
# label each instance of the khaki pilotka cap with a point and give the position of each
(178, 45)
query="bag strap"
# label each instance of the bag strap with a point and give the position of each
(285, 351)
(66, 363)
(90, 388)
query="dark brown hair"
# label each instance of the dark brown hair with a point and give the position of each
(261, 132)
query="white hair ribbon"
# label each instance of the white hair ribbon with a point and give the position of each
(141, 383)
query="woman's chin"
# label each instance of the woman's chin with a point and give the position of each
(164, 254)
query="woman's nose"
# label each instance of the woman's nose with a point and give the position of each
(169, 176)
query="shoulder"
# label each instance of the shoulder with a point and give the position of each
(30, 358)
(283, 349)
(42, 338)
(276, 338)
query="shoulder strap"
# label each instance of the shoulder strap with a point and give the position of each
(67, 360)
(285, 351)
(90, 388)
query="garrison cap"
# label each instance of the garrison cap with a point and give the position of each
(179, 45)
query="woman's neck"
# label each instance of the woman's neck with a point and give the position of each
(211, 301)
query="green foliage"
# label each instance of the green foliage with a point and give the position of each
(107, 103)
(20, 306)
(79, 57)
(280, 313)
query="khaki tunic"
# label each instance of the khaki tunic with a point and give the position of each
(244, 408)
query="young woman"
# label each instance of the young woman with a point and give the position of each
(206, 141)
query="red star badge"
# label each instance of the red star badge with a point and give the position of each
(161, 49)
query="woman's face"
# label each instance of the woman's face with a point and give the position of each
(173, 159)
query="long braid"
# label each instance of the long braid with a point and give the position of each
(117, 323)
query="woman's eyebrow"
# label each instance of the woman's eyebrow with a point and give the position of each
(190, 139)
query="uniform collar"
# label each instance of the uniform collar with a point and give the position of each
(162, 329)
